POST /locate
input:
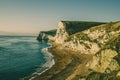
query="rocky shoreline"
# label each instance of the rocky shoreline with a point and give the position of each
(66, 62)
(50, 62)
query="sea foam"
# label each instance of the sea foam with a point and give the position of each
(50, 62)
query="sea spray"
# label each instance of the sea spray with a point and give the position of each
(50, 62)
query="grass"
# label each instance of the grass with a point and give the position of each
(78, 36)
(73, 27)
(103, 76)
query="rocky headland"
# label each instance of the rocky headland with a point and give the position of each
(85, 51)
(46, 35)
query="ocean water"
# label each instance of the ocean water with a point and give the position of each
(20, 56)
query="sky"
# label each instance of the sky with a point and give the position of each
(32, 16)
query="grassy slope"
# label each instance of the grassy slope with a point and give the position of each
(73, 27)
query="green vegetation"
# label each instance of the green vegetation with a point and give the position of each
(43, 35)
(107, 27)
(113, 42)
(73, 27)
(50, 32)
(78, 36)
(103, 76)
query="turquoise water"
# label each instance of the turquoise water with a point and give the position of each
(20, 56)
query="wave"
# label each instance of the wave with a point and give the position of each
(50, 62)
(2, 48)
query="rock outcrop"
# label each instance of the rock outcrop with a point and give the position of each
(46, 35)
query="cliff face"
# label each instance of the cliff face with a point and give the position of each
(46, 35)
(103, 42)
(61, 33)
(67, 28)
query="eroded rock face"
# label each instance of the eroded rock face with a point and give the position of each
(61, 33)
(104, 62)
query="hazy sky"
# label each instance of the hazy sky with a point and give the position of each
(32, 16)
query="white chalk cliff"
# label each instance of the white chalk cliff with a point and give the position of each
(101, 41)
(67, 28)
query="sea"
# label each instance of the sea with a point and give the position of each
(23, 56)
